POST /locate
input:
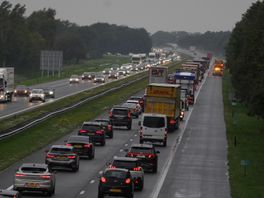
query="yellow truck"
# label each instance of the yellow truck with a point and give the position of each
(164, 99)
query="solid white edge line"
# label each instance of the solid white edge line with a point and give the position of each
(10, 187)
(173, 150)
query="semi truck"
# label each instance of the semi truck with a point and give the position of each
(6, 84)
(158, 74)
(164, 99)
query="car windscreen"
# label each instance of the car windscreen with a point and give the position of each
(37, 91)
(78, 139)
(120, 111)
(91, 127)
(33, 170)
(154, 122)
(61, 150)
(104, 122)
(115, 174)
(125, 164)
(141, 150)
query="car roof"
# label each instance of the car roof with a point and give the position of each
(117, 169)
(78, 138)
(130, 159)
(119, 107)
(34, 165)
(102, 120)
(142, 145)
(92, 123)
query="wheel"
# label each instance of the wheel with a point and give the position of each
(103, 143)
(75, 168)
(165, 143)
(91, 156)
(131, 195)
(100, 195)
(111, 135)
(129, 127)
(155, 169)
(141, 141)
(141, 185)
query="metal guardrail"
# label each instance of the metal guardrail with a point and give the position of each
(51, 114)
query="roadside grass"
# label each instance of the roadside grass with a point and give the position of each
(94, 65)
(249, 145)
(20, 145)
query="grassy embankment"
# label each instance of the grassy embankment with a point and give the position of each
(84, 66)
(18, 146)
(249, 145)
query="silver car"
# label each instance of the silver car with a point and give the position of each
(34, 177)
(37, 94)
(133, 165)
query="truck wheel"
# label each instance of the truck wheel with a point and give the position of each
(165, 143)
(103, 143)
(141, 141)
(129, 127)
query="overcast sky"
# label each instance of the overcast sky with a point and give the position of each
(153, 15)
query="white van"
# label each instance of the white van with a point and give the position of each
(153, 128)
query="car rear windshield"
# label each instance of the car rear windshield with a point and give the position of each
(154, 122)
(141, 150)
(116, 174)
(61, 150)
(78, 139)
(33, 170)
(91, 127)
(120, 111)
(125, 164)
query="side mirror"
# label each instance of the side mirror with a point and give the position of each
(139, 123)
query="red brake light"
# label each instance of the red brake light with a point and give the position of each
(99, 132)
(111, 166)
(103, 179)
(50, 156)
(45, 176)
(137, 169)
(129, 115)
(130, 155)
(110, 114)
(128, 180)
(150, 156)
(172, 122)
(68, 144)
(82, 131)
(20, 175)
(71, 157)
(109, 127)
(87, 146)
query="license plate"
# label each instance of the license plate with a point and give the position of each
(77, 146)
(141, 156)
(32, 185)
(61, 158)
(90, 133)
(115, 190)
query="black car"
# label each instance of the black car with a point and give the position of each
(120, 116)
(82, 146)
(86, 76)
(107, 126)
(116, 182)
(9, 193)
(62, 156)
(21, 90)
(94, 130)
(49, 92)
(146, 154)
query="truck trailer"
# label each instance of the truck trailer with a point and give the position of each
(164, 99)
(6, 84)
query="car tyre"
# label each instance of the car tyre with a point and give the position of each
(103, 143)
(141, 141)
(155, 169)
(165, 143)
(131, 195)
(100, 195)
(141, 184)
(111, 135)
(129, 127)
(91, 156)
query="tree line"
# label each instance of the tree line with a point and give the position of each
(245, 58)
(22, 38)
(209, 41)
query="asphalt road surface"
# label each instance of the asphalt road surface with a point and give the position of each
(194, 163)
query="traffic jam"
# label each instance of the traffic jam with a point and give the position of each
(158, 112)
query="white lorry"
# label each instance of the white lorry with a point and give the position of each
(6, 84)
(158, 74)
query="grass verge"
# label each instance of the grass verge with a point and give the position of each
(245, 142)
(18, 146)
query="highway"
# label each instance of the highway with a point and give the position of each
(62, 89)
(194, 163)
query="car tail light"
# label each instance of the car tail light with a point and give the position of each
(150, 156)
(71, 157)
(20, 175)
(50, 156)
(103, 179)
(130, 155)
(111, 166)
(110, 114)
(87, 146)
(82, 131)
(99, 132)
(109, 127)
(172, 121)
(68, 144)
(45, 176)
(137, 169)
(128, 180)
(129, 115)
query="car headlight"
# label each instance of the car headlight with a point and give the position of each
(1, 96)
(70, 79)
(25, 91)
(30, 95)
(51, 92)
(77, 79)
(95, 78)
(15, 91)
